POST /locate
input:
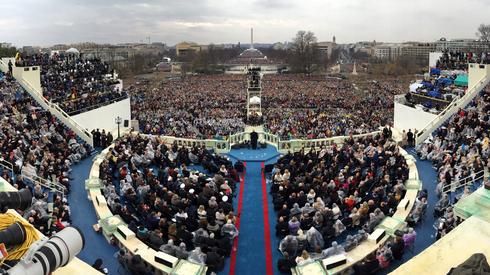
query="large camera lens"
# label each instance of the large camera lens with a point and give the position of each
(58, 251)
(15, 234)
(16, 200)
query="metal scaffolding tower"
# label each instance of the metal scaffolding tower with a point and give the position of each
(254, 92)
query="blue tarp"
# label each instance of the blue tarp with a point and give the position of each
(434, 93)
(428, 85)
(435, 71)
(461, 80)
(444, 81)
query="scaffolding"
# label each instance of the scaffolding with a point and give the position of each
(254, 93)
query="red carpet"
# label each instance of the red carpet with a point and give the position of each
(267, 233)
(239, 212)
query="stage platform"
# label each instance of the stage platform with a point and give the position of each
(260, 154)
(471, 236)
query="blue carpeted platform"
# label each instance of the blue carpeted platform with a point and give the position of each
(262, 154)
(83, 216)
(425, 229)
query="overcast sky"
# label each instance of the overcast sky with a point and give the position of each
(47, 22)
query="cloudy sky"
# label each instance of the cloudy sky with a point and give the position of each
(47, 22)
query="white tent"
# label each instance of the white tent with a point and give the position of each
(255, 100)
(73, 50)
(414, 86)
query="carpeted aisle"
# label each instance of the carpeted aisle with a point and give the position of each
(254, 255)
(250, 254)
(83, 216)
(425, 230)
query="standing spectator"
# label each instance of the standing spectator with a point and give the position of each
(10, 67)
(410, 138)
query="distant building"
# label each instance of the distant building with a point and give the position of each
(278, 46)
(368, 50)
(464, 45)
(5, 45)
(30, 49)
(250, 56)
(184, 48)
(326, 48)
(387, 51)
(419, 51)
(382, 52)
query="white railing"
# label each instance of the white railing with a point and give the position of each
(451, 109)
(34, 179)
(83, 133)
(292, 145)
(464, 182)
(57, 112)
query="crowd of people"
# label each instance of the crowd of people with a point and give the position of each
(75, 83)
(101, 139)
(193, 107)
(460, 149)
(313, 107)
(171, 207)
(458, 60)
(37, 145)
(293, 106)
(323, 195)
(435, 93)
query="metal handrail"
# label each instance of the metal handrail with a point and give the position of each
(96, 106)
(51, 105)
(463, 182)
(449, 109)
(7, 165)
(51, 185)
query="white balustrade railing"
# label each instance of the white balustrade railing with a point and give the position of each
(450, 110)
(83, 133)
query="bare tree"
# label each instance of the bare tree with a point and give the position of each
(484, 33)
(304, 52)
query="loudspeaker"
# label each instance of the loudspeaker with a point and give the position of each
(125, 232)
(165, 259)
(399, 233)
(403, 204)
(126, 123)
(377, 235)
(100, 200)
(334, 261)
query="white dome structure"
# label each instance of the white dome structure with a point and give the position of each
(73, 51)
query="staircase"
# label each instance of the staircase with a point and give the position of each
(473, 90)
(29, 79)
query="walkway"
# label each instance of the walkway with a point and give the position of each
(83, 216)
(425, 230)
(255, 251)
